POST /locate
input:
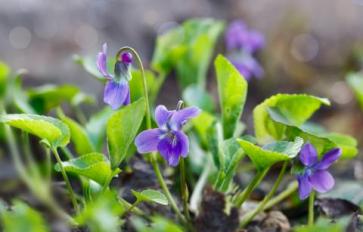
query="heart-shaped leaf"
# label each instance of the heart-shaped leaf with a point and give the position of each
(297, 108)
(265, 157)
(122, 128)
(79, 136)
(150, 195)
(321, 140)
(232, 89)
(54, 131)
(94, 166)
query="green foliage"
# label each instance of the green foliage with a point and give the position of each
(150, 195)
(159, 224)
(22, 218)
(322, 140)
(265, 157)
(137, 89)
(188, 49)
(88, 64)
(122, 128)
(96, 127)
(232, 88)
(324, 224)
(103, 214)
(46, 97)
(197, 96)
(79, 136)
(355, 81)
(94, 166)
(55, 132)
(296, 107)
(4, 73)
(232, 153)
(202, 124)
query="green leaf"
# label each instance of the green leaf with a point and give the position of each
(151, 195)
(79, 136)
(122, 128)
(355, 81)
(159, 224)
(23, 218)
(4, 73)
(202, 123)
(47, 97)
(297, 108)
(48, 128)
(232, 88)
(94, 166)
(103, 214)
(265, 157)
(325, 224)
(96, 127)
(137, 89)
(322, 141)
(188, 49)
(196, 96)
(232, 155)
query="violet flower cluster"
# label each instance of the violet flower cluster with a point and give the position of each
(242, 44)
(315, 174)
(169, 138)
(117, 91)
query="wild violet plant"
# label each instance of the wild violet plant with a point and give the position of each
(282, 136)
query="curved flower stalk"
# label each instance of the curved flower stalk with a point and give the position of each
(169, 138)
(242, 43)
(315, 174)
(117, 90)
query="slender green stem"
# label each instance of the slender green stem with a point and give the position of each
(65, 177)
(250, 215)
(281, 196)
(28, 155)
(184, 189)
(148, 126)
(80, 115)
(242, 197)
(144, 83)
(134, 208)
(311, 209)
(48, 163)
(165, 188)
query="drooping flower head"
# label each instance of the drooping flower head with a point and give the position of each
(315, 174)
(117, 91)
(169, 138)
(242, 43)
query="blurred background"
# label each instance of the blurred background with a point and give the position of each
(310, 44)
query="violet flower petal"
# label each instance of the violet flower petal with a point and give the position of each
(236, 35)
(116, 94)
(183, 142)
(308, 155)
(172, 147)
(102, 62)
(328, 159)
(255, 41)
(162, 115)
(304, 187)
(169, 150)
(322, 181)
(148, 140)
(180, 117)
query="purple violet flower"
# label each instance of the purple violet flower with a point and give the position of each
(315, 175)
(117, 91)
(241, 44)
(169, 139)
